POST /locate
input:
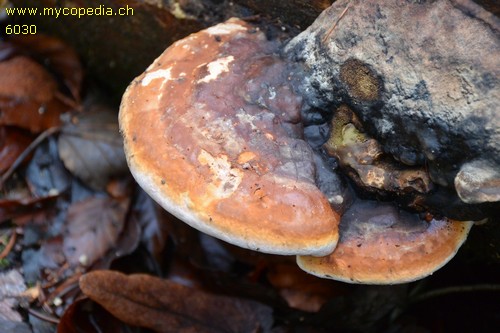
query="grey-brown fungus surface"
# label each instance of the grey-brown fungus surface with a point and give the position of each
(424, 79)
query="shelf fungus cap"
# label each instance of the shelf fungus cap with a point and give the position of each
(379, 244)
(212, 133)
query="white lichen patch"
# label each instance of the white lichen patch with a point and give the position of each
(164, 74)
(221, 132)
(245, 118)
(216, 68)
(225, 28)
(225, 179)
(179, 13)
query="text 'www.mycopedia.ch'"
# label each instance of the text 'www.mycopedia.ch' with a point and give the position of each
(57, 12)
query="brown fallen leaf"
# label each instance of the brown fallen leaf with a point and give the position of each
(301, 290)
(90, 146)
(165, 306)
(83, 315)
(13, 208)
(31, 115)
(40, 78)
(13, 142)
(29, 95)
(60, 59)
(93, 227)
(24, 78)
(126, 244)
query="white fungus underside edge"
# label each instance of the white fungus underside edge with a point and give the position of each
(150, 186)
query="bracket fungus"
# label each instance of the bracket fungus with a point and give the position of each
(212, 133)
(381, 244)
(270, 145)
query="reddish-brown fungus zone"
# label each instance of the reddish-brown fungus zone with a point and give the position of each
(381, 244)
(212, 132)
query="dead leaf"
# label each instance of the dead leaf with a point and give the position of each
(11, 287)
(23, 78)
(13, 142)
(58, 57)
(154, 221)
(165, 306)
(92, 228)
(86, 316)
(301, 290)
(28, 95)
(120, 187)
(43, 322)
(45, 262)
(31, 115)
(129, 240)
(91, 147)
(40, 78)
(46, 173)
(360, 310)
(14, 327)
(10, 209)
(126, 244)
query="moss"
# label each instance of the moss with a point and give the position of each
(343, 130)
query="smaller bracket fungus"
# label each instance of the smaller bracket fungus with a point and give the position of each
(478, 181)
(380, 244)
(212, 132)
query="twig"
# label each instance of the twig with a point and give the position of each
(9, 245)
(43, 316)
(68, 101)
(45, 134)
(67, 286)
(455, 290)
(336, 23)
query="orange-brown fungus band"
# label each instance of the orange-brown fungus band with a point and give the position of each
(380, 244)
(212, 132)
